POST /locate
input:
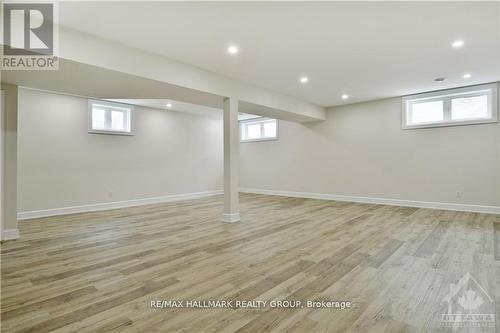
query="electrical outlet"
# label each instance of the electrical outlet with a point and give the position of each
(459, 194)
(110, 194)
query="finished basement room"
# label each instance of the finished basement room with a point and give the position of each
(238, 166)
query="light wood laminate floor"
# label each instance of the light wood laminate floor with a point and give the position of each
(99, 272)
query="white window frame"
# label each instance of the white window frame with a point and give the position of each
(446, 96)
(91, 130)
(259, 120)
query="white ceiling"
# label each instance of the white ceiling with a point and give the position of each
(368, 50)
(161, 104)
(175, 106)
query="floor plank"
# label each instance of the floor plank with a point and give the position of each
(99, 272)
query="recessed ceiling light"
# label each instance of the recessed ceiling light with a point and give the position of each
(304, 79)
(233, 49)
(458, 43)
(440, 79)
(169, 105)
(345, 96)
(467, 76)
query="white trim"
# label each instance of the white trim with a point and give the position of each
(446, 96)
(230, 218)
(381, 201)
(10, 234)
(114, 205)
(259, 140)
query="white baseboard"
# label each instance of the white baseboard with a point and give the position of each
(14, 234)
(114, 205)
(381, 201)
(10, 234)
(235, 217)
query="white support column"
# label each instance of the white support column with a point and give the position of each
(231, 161)
(9, 162)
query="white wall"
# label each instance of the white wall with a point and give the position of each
(361, 150)
(61, 165)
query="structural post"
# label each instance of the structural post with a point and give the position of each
(231, 161)
(9, 163)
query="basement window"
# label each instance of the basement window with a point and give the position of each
(110, 118)
(461, 106)
(258, 129)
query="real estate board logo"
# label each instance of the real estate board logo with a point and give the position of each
(467, 304)
(30, 35)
